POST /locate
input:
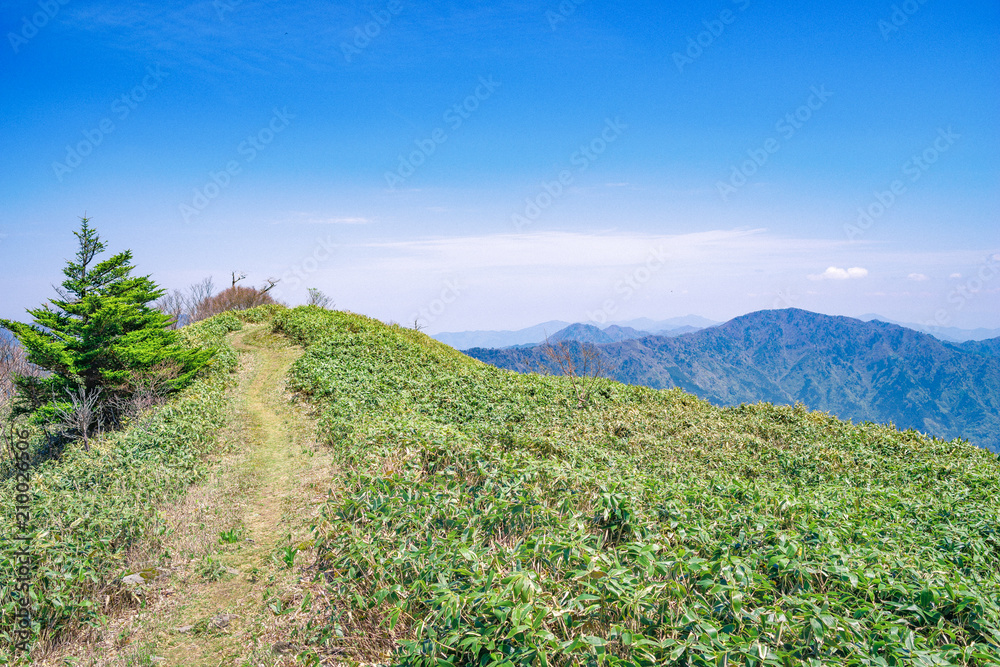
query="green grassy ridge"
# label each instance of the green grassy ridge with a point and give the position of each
(88, 508)
(861, 371)
(487, 518)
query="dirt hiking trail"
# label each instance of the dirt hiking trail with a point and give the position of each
(231, 581)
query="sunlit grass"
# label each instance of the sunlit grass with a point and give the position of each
(489, 519)
(89, 508)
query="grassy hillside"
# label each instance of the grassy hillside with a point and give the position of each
(489, 518)
(863, 371)
(89, 508)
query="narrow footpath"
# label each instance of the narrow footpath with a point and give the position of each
(231, 581)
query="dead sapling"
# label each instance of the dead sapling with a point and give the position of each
(81, 414)
(582, 366)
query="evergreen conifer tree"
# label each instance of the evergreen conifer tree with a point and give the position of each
(98, 334)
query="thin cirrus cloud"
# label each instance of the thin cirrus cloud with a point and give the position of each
(837, 273)
(344, 221)
(917, 277)
(305, 218)
(722, 250)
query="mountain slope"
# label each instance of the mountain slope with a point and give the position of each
(464, 340)
(491, 518)
(618, 333)
(948, 334)
(588, 333)
(669, 324)
(583, 333)
(990, 348)
(451, 513)
(863, 371)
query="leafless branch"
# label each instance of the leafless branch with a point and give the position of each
(581, 368)
(317, 298)
(81, 414)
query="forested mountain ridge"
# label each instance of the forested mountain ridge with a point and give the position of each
(863, 371)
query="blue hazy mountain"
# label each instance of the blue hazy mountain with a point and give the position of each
(463, 340)
(863, 371)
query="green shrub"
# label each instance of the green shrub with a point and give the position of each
(260, 314)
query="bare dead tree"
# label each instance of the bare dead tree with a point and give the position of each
(582, 367)
(183, 306)
(200, 302)
(81, 414)
(13, 362)
(317, 298)
(173, 305)
(235, 298)
(198, 294)
(142, 391)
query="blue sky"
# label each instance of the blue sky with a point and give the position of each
(494, 165)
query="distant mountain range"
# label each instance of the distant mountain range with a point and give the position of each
(642, 327)
(950, 334)
(863, 371)
(463, 340)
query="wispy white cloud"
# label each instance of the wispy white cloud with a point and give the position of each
(901, 295)
(837, 273)
(917, 277)
(304, 218)
(221, 37)
(345, 221)
(718, 251)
